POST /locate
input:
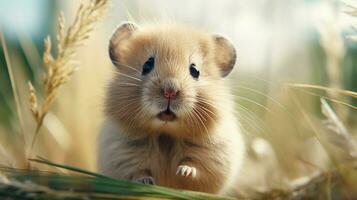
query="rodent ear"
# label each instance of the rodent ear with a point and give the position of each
(225, 54)
(122, 33)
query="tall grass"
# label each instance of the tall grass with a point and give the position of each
(301, 142)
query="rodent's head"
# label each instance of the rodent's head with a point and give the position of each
(168, 78)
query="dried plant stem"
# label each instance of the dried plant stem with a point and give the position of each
(13, 85)
(311, 125)
(329, 99)
(37, 130)
(59, 68)
(340, 91)
(338, 131)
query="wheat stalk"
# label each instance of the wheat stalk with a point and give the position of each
(60, 67)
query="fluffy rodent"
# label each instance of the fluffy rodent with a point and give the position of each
(169, 115)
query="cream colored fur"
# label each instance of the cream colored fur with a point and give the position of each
(135, 144)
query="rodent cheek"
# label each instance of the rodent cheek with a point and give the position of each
(147, 101)
(151, 101)
(186, 101)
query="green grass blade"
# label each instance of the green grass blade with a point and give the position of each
(97, 186)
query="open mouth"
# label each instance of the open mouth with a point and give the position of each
(167, 115)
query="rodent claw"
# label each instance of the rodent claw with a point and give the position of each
(146, 180)
(186, 171)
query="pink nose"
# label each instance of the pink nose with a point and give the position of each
(170, 93)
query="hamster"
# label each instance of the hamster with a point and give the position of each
(169, 115)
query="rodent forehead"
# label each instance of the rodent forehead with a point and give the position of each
(173, 50)
(175, 60)
(169, 46)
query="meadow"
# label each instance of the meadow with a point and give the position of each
(295, 88)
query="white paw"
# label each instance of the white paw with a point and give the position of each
(186, 171)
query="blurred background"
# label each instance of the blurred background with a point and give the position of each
(278, 42)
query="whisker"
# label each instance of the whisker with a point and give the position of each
(258, 104)
(208, 102)
(128, 76)
(118, 94)
(246, 121)
(205, 113)
(125, 107)
(127, 98)
(127, 84)
(208, 110)
(189, 114)
(244, 117)
(261, 93)
(124, 65)
(133, 115)
(199, 118)
(271, 84)
(248, 100)
(199, 113)
(250, 116)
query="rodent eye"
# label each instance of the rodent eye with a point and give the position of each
(148, 66)
(194, 71)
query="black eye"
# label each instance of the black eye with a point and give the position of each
(148, 66)
(194, 71)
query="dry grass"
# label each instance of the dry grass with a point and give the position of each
(61, 66)
(299, 146)
(319, 87)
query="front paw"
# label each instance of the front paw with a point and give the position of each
(148, 180)
(186, 171)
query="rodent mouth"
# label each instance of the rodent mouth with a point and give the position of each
(167, 115)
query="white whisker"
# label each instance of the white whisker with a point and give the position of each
(128, 76)
(123, 65)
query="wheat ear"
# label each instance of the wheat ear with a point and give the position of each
(59, 67)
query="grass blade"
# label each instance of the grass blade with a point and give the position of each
(97, 184)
